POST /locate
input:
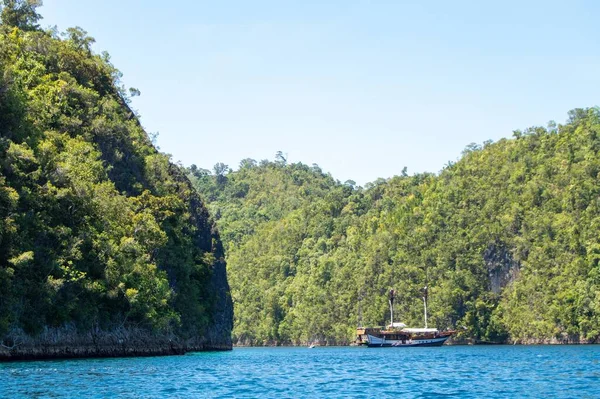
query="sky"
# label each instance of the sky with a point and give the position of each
(361, 88)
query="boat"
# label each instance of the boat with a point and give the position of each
(311, 346)
(396, 336)
(399, 335)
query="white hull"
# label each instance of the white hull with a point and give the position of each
(381, 342)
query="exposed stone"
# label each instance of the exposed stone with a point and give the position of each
(67, 342)
(502, 268)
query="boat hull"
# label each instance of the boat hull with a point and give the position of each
(377, 342)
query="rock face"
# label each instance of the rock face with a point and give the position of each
(67, 342)
(502, 268)
(219, 335)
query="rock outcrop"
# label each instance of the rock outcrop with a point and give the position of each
(502, 268)
(106, 249)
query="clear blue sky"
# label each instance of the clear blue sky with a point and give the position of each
(362, 88)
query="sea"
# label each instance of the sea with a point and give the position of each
(321, 372)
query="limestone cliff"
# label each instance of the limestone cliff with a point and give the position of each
(105, 247)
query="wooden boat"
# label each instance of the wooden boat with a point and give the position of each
(399, 335)
(396, 336)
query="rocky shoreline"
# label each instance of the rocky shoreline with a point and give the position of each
(451, 342)
(140, 344)
(68, 343)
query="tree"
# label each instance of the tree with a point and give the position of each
(280, 158)
(133, 92)
(471, 148)
(21, 13)
(79, 37)
(220, 170)
(248, 163)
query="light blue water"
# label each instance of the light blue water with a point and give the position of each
(449, 371)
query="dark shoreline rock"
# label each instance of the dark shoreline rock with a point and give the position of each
(68, 343)
(58, 353)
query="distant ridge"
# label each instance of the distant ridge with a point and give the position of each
(506, 238)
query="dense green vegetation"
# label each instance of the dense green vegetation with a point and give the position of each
(506, 238)
(97, 228)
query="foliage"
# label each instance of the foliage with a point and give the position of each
(505, 238)
(97, 228)
(20, 13)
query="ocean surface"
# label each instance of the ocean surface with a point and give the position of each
(322, 372)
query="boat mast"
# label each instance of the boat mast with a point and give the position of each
(392, 295)
(424, 291)
(360, 314)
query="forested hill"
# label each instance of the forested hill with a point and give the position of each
(506, 239)
(105, 248)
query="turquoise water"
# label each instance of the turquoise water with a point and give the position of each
(449, 371)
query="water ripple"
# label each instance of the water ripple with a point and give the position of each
(459, 371)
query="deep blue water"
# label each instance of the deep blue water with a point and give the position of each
(325, 372)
